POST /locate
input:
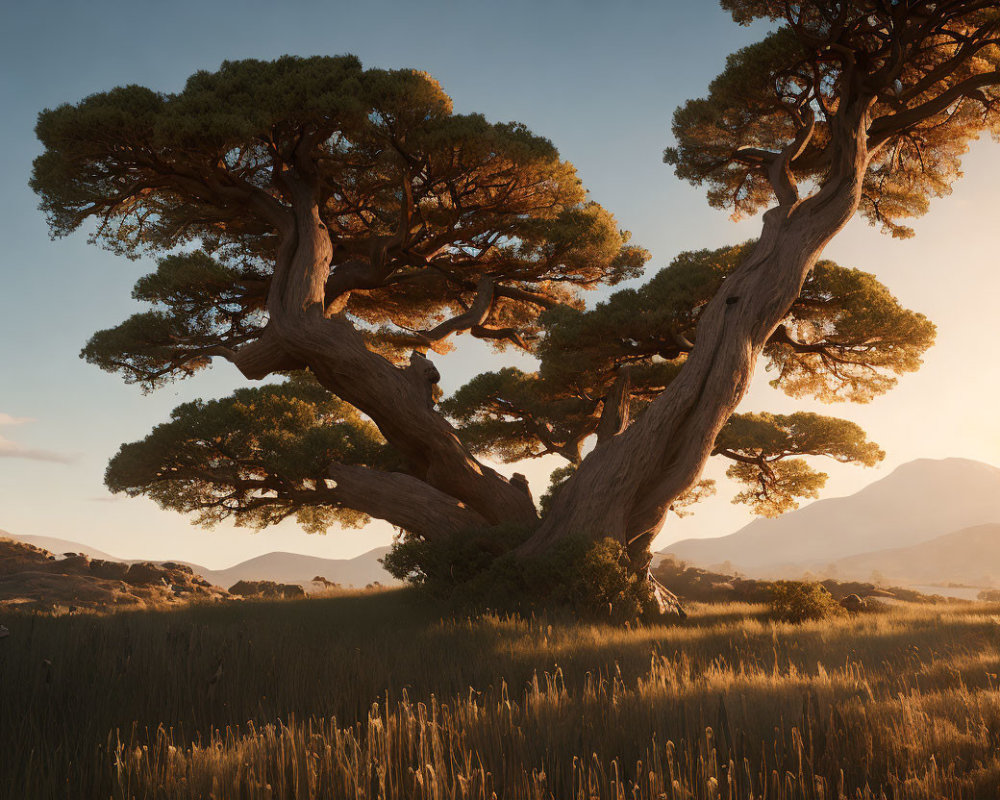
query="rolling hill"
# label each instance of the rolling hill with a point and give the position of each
(297, 568)
(279, 567)
(970, 557)
(917, 502)
(61, 546)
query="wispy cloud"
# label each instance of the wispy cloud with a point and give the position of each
(11, 449)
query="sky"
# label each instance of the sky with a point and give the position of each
(599, 79)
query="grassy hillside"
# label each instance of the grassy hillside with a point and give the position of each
(379, 696)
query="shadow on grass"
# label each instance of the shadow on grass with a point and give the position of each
(70, 682)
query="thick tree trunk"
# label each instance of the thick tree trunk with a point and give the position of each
(624, 488)
(398, 400)
(401, 500)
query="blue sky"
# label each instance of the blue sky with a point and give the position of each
(599, 79)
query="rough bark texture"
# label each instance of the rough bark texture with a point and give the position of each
(304, 331)
(402, 500)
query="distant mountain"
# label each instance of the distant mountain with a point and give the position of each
(970, 556)
(297, 568)
(916, 502)
(61, 546)
(279, 567)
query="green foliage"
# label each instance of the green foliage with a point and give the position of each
(598, 581)
(205, 167)
(798, 601)
(846, 338)
(447, 562)
(557, 478)
(763, 447)
(741, 109)
(801, 433)
(257, 456)
(479, 570)
(773, 489)
(201, 304)
(512, 415)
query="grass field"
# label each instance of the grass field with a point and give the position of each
(380, 696)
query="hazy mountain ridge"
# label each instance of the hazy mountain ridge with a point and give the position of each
(62, 546)
(917, 502)
(298, 568)
(970, 556)
(278, 566)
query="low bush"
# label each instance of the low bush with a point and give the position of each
(479, 570)
(267, 589)
(798, 601)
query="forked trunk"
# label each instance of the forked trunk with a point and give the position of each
(398, 400)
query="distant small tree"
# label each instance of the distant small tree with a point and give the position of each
(336, 224)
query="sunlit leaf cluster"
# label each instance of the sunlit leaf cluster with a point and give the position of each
(767, 452)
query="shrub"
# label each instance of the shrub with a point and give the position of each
(591, 579)
(445, 563)
(597, 581)
(266, 589)
(797, 601)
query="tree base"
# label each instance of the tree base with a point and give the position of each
(665, 604)
(592, 580)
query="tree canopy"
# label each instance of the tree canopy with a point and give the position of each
(442, 222)
(478, 228)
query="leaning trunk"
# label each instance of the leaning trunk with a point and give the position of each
(625, 487)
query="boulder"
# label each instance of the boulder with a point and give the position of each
(144, 573)
(112, 570)
(853, 603)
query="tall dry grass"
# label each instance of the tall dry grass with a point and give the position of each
(379, 696)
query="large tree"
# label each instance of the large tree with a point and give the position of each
(335, 224)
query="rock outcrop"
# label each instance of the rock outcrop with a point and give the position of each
(35, 578)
